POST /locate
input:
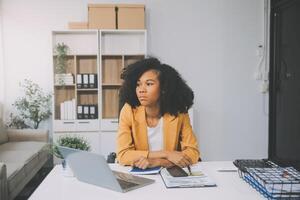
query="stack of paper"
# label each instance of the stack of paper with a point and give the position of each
(199, 179)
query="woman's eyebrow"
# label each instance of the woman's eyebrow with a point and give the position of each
(146, 80)
(150, 80)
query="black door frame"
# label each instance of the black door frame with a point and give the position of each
(276, 6)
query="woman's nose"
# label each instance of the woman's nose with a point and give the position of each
(142, 89)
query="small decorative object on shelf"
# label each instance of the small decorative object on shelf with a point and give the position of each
(61, 75)
(61, 51)
(64, 79)
(33, 108)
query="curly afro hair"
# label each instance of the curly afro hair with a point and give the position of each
(175, 95)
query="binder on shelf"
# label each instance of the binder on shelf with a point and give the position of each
(92, 80)
(86, 112)
(85, 80)
(93, 112)
(79, 81)
(79, 112)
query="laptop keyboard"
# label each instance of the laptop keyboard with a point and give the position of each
(126, 184)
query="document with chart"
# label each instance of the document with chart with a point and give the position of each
(197, 179)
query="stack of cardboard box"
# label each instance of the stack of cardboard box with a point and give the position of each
(113, 16)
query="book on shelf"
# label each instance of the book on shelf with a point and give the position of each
(64, 79)
(62, 111)
(67, 110)
(71, 109)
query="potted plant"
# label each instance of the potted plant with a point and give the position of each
(32, 108)
(75, 142)
(61, 51)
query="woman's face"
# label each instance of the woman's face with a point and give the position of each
(148, 88)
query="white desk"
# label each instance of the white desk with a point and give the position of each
(229, 186)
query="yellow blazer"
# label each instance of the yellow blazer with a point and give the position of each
(132, 139)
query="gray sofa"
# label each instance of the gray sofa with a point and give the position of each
(22, 155)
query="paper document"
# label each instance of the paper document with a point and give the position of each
(197, 179)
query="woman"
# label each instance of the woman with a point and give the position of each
(154, 126)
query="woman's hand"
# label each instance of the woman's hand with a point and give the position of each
(179, 158)
(144, 163)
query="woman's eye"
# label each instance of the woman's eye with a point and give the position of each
(149, 84)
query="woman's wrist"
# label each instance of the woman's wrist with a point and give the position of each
(166, 163)
(155, 162)
(158, 154)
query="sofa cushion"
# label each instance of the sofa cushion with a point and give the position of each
(3, 133)
(3, 137)
(23, 146)
(16, 156)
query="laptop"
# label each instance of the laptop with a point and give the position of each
(92, 168)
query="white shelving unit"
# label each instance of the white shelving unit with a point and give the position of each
(105, 53)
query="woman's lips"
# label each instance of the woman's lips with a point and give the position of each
(142, 98)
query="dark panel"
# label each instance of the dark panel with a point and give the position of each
(284, 127)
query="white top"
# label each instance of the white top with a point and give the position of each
(155, 136)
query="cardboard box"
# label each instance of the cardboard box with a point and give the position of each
(131, 16)
(102, 16)
(78, 25)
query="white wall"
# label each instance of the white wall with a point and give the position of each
(211, 42)
(1, 71)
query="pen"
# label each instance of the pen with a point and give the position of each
(190, 171)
